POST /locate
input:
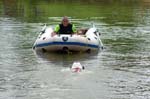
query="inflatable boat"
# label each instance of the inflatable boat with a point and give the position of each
(85, 40)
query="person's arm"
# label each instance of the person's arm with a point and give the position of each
(74, 29)
(56, 29)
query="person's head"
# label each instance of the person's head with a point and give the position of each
(65, 21)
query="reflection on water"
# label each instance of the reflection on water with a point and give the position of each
(67, 59)
(39, 10)
(120, 71)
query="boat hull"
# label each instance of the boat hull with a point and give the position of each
(76, 43)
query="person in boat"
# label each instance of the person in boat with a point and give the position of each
(65, 27)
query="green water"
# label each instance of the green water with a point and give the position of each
(120, 71)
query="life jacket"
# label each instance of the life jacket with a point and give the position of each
(65, 30)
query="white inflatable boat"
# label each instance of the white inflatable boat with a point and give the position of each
(84, 41)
